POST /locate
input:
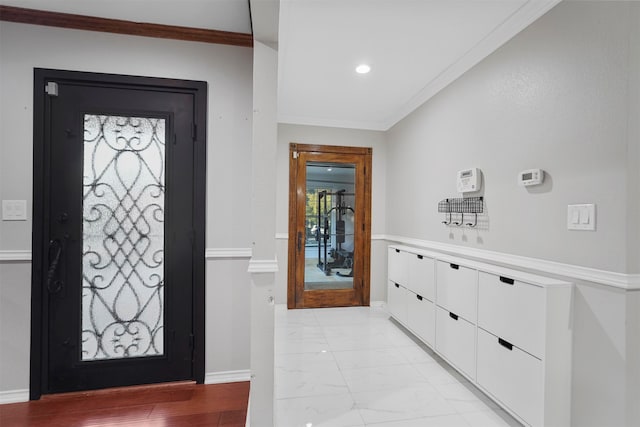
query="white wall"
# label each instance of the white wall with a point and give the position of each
(555, 97)
(263, 265)
(562, 96)
(228, 70)
(343, 137)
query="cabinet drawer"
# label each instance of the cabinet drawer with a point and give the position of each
(511, 376)
(397, 301)
(457, 289)
(422, 276)
(421, 317)
(512, 310)
(456, 341)
(398, 266)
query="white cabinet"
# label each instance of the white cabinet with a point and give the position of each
(512, 310)
(421, 317)
(514, 377)
(508, 331)
(398, 264)
(411, 292)
(457, 288)
(397, 301)
(456, 341)
(422, 276)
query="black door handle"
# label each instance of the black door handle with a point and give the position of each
(506, 280)
(453, 316)
(454, 266)
(505, 344)
(55, 252)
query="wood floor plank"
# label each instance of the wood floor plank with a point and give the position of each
(183, 404)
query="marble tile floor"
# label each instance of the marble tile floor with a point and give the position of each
(354, 367)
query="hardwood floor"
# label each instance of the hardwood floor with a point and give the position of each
(166, 405)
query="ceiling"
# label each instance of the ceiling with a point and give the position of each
(415, 47)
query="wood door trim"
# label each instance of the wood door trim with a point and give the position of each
(119, 26)
(312, 148)
(366, 152)
(39, 298)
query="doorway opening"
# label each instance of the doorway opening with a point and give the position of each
(329, 226)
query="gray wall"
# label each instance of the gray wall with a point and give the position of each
(228, 71)
(333, 136)
(555, 97)
(562, 96)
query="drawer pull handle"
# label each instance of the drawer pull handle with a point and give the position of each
(397, 251)
(419, 297)
(420, 257)
(506, 280)
(453, 316)
(505, 344)
(454, 266)
(397, 286)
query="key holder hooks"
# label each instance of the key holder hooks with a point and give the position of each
(460, 205)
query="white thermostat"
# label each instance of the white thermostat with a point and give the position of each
(469, 180)
(531, 177)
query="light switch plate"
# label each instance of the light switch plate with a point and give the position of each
(581, 217)
(14, 210)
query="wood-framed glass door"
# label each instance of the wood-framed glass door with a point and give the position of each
(329, 226)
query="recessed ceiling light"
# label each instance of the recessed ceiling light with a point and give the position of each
(329, 169)
(363, 69)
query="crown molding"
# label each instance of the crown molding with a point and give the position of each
(118, 26)
(510, 27)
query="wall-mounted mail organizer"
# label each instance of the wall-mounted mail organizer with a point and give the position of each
(460, 205)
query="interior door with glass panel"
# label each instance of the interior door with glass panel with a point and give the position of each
(329, 248)
(121, 201)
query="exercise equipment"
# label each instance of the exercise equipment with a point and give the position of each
(342, 258)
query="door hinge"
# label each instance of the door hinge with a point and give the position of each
(192, 236)
(191, 341)
(51, 89)
(175, 139)
(194, 131)
(295, 154)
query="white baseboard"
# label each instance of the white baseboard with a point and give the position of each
(378, 304)
(14, 396)
(227, 377)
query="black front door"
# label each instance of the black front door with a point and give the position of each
(118, 231)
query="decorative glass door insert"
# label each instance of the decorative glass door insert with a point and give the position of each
(123, 237)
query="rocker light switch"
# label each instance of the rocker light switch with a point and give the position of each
(14, 210)
(581, 217)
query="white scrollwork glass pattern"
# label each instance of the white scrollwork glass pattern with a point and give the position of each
(123, 237)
